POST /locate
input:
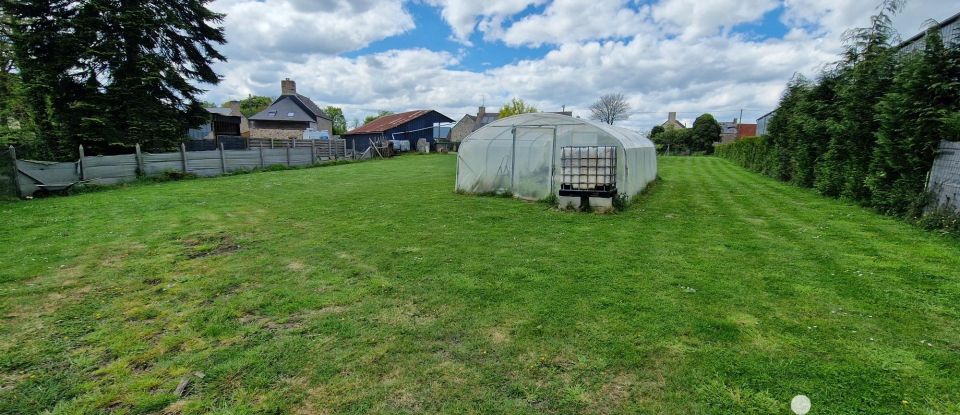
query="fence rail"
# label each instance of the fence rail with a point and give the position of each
(29, 177)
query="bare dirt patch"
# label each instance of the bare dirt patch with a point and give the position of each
(204, 245)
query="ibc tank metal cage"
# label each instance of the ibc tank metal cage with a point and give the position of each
(588, 171)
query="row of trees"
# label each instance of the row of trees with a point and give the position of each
(700, 138)
(866, 129)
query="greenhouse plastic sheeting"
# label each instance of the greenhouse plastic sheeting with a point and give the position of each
(520, 155)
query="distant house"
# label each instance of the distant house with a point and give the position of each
(289, 116)
(732, 130)
(949, 31)
(672, 122)
(410, 126)
(746, 130)
(470, 123)
(223, 121)
(763, 123)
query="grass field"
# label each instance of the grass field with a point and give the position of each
(373, 287)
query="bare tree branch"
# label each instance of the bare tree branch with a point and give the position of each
(610, 108)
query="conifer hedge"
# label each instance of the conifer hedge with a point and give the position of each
(867, 129)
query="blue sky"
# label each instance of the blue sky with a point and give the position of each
(688, 56)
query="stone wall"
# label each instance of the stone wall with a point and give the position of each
(462, 129)
(325, 124)
(280, 134)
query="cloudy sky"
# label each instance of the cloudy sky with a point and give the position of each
(689, 56)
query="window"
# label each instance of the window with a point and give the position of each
(272, 113)
(289, 114)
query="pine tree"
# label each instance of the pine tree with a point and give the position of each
(104, 72)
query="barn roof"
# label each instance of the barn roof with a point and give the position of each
(387, 122)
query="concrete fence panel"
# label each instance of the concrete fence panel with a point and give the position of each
(274, 156)
(204, 163)
(155, 164)
(32, 176)
(944, 182)
(241, 159)
(107, 170)
(45, 175)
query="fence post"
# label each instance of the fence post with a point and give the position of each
(139, 155)
(353, 147)
(82, 175)
(223, 162)
(330, 149)
(16, 172)
(313, 151)
(271, 142)
(288, 156)
(260, 148)
(183, 156)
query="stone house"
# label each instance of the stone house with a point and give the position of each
(289, 116)
(672, 122)
(470, 123)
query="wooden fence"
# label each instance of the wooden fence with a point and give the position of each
(32, 176)
(332, 149)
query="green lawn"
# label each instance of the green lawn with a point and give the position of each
(373, 287)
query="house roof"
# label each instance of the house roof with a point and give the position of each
(219, 111)
(486, 119)
(674, 123)
(767, 114)
(313, 106)
(294, 107)
(387, 122)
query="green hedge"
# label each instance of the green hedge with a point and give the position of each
(867, 129)
(750, 152)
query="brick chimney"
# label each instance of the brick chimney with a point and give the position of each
(288, 87)
(481, 112)
(671, 116)
(234, 107)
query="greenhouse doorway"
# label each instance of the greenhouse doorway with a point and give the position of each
(532, 162)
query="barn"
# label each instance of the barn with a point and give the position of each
(409, 126)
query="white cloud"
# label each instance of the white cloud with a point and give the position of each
(564, 21)
(464, 16)
(291, 29)
(661, 59)
(695, 18)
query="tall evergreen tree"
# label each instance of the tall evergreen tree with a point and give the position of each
(103, 72)
(911, 123)
(866, 72)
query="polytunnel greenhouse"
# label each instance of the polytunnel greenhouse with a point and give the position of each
(534, 156)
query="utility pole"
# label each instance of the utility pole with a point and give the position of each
(739, 121)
